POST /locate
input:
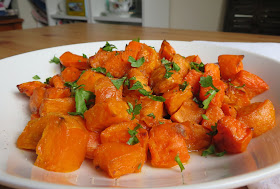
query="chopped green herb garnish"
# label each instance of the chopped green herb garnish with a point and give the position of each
(207, 101)
(207, 82)
(153, 97)
(220, 154)
(183, 86)
(205, 117)
(169, 66)
(210, 150)
(47, 80)
(118, 82)
(151, 115)
(99, 70)
(214, 130)
(139, 166)
(197, 67)
(136, 85)
(161, 122)
(133, 139)
(73, 87)
(55, 60)
(108, 74)
(177, 159)
(199, 102)
(109, 47)
(36, 77)
(79, 61)
(136, 63)
(84, 56)
(136, 39)
(134, 111)
(237, 87)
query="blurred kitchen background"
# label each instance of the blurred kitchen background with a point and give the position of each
(245, 16)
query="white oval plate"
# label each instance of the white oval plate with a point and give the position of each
(261, 159)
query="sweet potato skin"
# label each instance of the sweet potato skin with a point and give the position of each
(233, 135)
(62, 147)
(165, 143)
(260, 116)
(118, 159)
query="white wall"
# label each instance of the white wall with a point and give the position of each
(197, 14)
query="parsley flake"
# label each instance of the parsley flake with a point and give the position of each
(47, 80)
(169, 66)
(139, 166)
(84, 56)
(183, 86)
(177, 159)
(205, 117)
(133, 139)
(237, 87)
(134, 111)
(136, 85)
(210, 150)
(152, 115)
(109, 47)
(36, 77)
(118, 82)
(197, 67)
(136, 39)
(214, 130)
(136, 63)
(55, 60)
(99, 70)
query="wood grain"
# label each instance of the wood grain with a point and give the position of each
(21, 41)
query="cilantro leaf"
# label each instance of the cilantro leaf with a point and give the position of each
(161, 122)
(199, 102)
(210, 150)
(82, 98)
(108, 74)
(134, 111)
(136, 63)
(205, 117)
(153, 97)
(118, 82)
(136, 39)
(84, 56)
(207, 101)
(139, 166)
(133, 139)
(214, 130)
(109, 47)
(169, 66)
(36, 77)
(220, 154)
(177, 159)
(183, 86)
(197, 67)
(99, 70)
(152, 115)
(55, 60)
(237, 87)
(207, 82)
(47, 80)
(73, 87)
(136, 85)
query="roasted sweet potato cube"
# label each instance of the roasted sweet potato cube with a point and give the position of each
(189, 111)
(70, 74)
(57, 93)
(119, 133)
(213, 113)
(132, 49)
(233, 135)
(36, 99)
(116, 66)
(88, 80)
(166, 51)
(160, 84)
(57, 81)
(118, 159)
(28, 87)
(194, 58)
(69, 59)
(93, 142)
(212, 70)
(32, 132)
(106, 90)
(260, 116)
(195, 135)
(151, 60)
(62, 147)
(100, 57)
(253, 84)
(229, 110)
(236, 97)
(219, 97)
(102, 115)
(230, 65)
(193, 78)
(57, 105)
(175, 98)
(165, 142)
(183, 63)
(151, 110)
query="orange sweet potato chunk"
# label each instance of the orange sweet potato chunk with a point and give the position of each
(183, 63)
(118, 159)
(236, 97)
(119, 133)
(70, 74)
(57, 81)
(230, 65)
(62, 147)
(102, 115)
(214, 113)
(166, 51)
(88, 80)
(219, 97)
(165, 143)
(212, 70)
(175, 98)
(28, 87)
(194, 58)
(253, 84)
(100, 57)
(105, 90)
(57, 105)
(193, 78)
(259, 115)
(229, 110)
(132, 49)
(233, 135)
(69, 59)
(57, 93)
(189, 111)
(93, 142)
(32, 132)
(36, 99)
(195, 135)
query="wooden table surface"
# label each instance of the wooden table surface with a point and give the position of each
(21, 41)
